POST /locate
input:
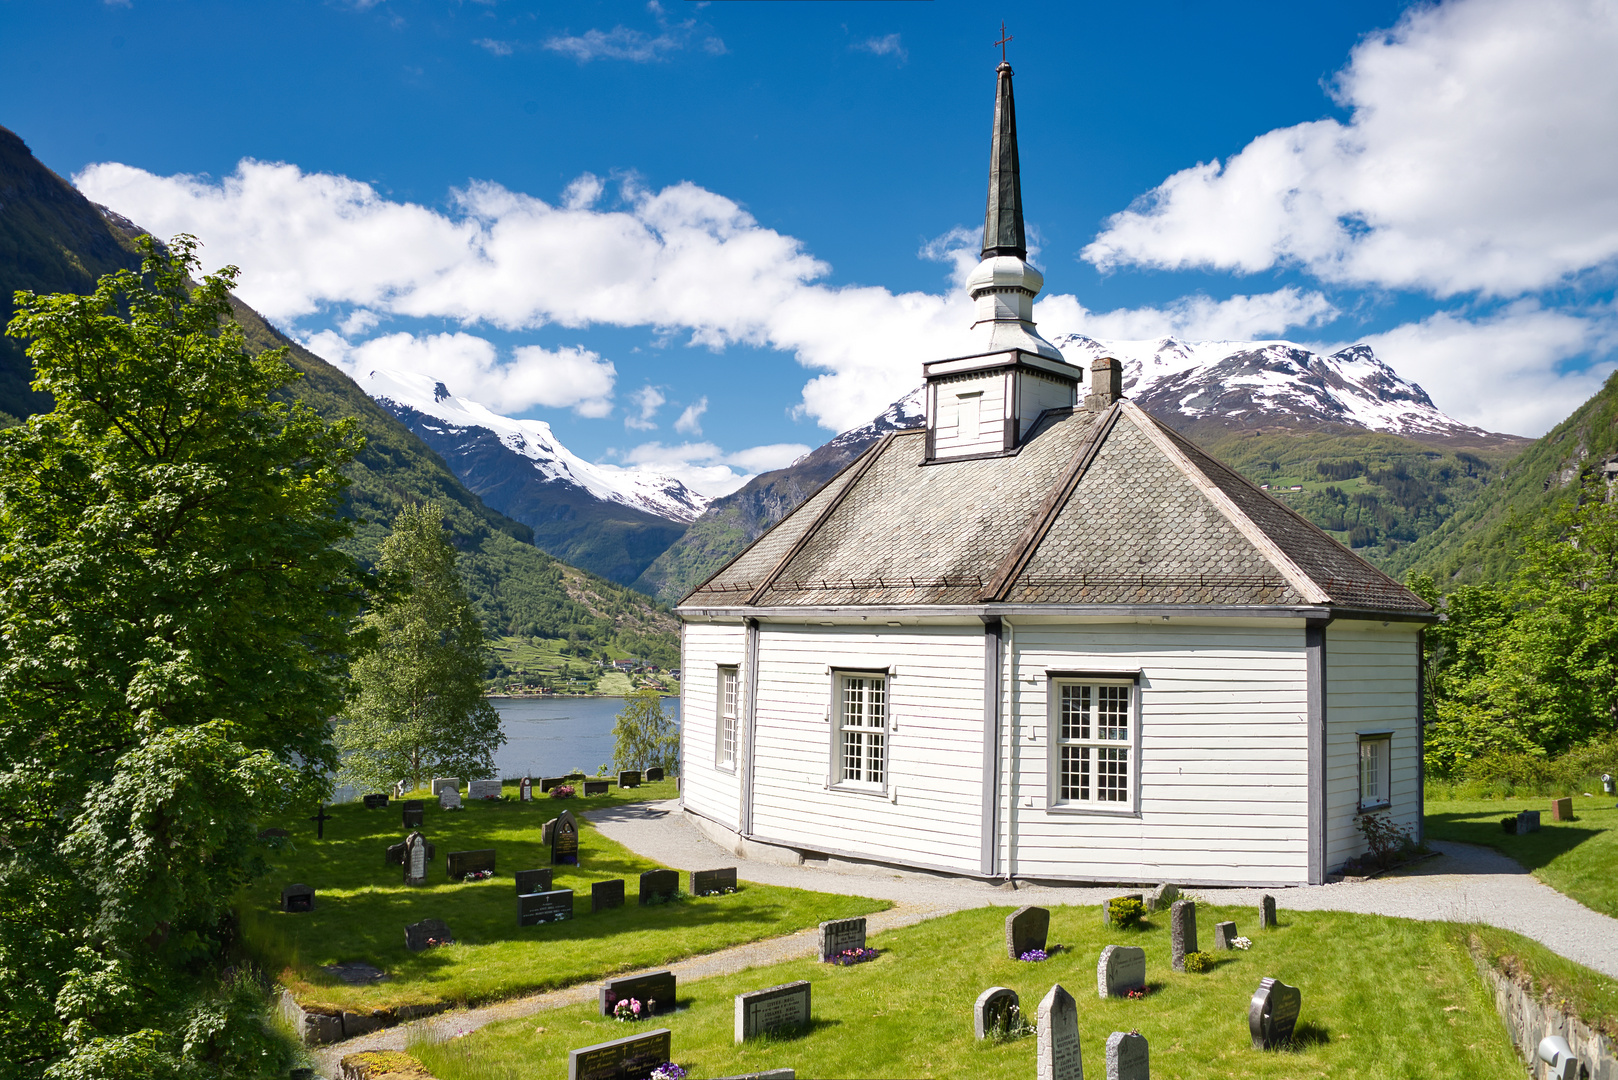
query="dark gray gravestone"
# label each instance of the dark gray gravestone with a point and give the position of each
(395, 854)
(993, 1010)
(607, 894)
(533, 881)
(1182, 931)
(1058, 1056)
(654, 774)
(298, 898)
(426, 934)
(1528, 821)
(461, 863)
(414, 813)
(545, 907)
(1122, 968)
(565, 840)
(631, 1058)
(841, 935)
(784, 1006)
(1266, 914)
(656, 987)
(629, 778)
(1027, 928)
(596, 787)
(709, 882)
(548, 782)
(418, 856)
(1161, 897)
(376, 801)
(1224, 936)
(1128, 1056)
(483, 789)
(274, 834)
(657, 885)
(525, 789)
(1106, 906)
(1273, 1013)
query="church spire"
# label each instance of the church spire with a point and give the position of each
(1002, 224)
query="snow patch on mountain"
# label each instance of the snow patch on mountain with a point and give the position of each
(908, 412)
(533, 439)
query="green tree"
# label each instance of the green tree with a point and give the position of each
(419, 708)
(643, 736)
(174, 634)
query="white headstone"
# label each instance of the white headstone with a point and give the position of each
(1059, 1057)
(449, 799)
(442, 782)
(483, 789)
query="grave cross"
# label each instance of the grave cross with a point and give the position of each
(320, 819)
(1004, 38)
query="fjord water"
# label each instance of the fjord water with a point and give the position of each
(552, 736)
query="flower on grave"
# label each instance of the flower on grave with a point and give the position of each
(477, 875)
(1135, 995)
(1034, 956)
(669, 1071)
(1242, 943)
(562, 791)
(627, 1010)
(852, 956)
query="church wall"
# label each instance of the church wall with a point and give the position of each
(1223, 755)
(706, 788)
(1372, 685)
(1036, 393)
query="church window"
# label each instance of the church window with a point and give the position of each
(1093, 745)
(1374, 779)
(969, 415)
(862, 721)
(727, 717)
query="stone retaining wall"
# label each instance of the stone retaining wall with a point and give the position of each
(319, 1027)
(1528, 1020)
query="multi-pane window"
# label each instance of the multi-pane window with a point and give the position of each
(862, 718)
(1374, 787)
(1094, 743)
(727, 716)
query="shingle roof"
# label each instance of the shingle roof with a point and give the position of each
(1096, 508)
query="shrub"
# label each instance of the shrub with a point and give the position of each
(1198, 962)
(1125, 913)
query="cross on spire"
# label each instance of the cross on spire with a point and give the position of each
(1004, 38)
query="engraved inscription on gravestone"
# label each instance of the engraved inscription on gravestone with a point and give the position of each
(596, 787)
(993, 1010)
(298, 898)
(395, 853)
(525, 789)
(1224, 936)
(658, 885)
(629, 778)
(1122, 968)
(565, 840)
(546, 907)
(533, 881)
(483, 789)
(376, 801)
(449, 799)
(414, 813)
(1182, 931)
(1027, 929)
(1528, 821)
(1266, 914)
(1058, 1056)
(1128, 1056)
(442, 784)
(631, 1058)
(841, 935)
(654, 991)
(607, 894)
(416, 855)
(1272, 1015)
(784, 1006)
(709, 882)
(654, 774)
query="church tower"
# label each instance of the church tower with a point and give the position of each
(983, 404)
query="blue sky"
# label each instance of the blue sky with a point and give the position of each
(753, 216)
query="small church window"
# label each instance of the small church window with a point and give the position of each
(969, 415)
(1374, 780)
(1094, 744)
(727, 717)
(862, 724)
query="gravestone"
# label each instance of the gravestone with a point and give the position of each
(708, 882)
(1273, 1013)
(606, 894)
(1026, 929)
(415, 811)
(525, 790)
(460, 863)
(548, 782)
(426, 934)
(1161, 897)
(418, 856)
(784, 1006)
(654, 774)
(1127, 1057)
(532, 881)
(554, 905)
(1224, 936)
(1528, 821)
(656, 987)
(631, 1058)
(596, 787)
(1608, 784)
(629, 778)
(658, 885)
(274, 834)
(546, 831)
(840, 935)
(565, 840)
(445, 783)
(574, 776)
(993, 1010)
(1122, 968)
(1182, 931)
(1106, 906)
(376, 801)
(449, 799)
(298, 898)
(1058, 1056)
(483, 789)
(1266, 914)
(1561, 810)
(399, 789)
(395, 853)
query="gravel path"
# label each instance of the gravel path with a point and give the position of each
(1462, 884)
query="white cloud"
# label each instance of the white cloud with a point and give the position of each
(495, 47)
(704, 467)
(619, 43)
(648, 399)
(690, 421)
(1191, 318)
(1479, 156)
(358, 322)
(887, 45)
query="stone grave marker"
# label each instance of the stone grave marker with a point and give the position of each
(784, 1006)
(1609, 786)
(658, 885)
(554, 905)
(1127, 1057)
(654, 774)
(449, 799)
(1528, 821)
(992, 1010)
(1266, 914)
(1224, 936)
(418, 856)
(1273, 1013)
(841, 935)
(426, 934)
(274, 834)
(395, 853)
(532, 881)
(708, 882)
(656, 987)
(1561, 810)
(415, 811)
(565, 840)
(1182, 931)
(460, 863)
(1027, 929)
(629, 778)
(606, 894)
(443, 783)
(1058, 1056)
(631, 1058)
(1161, 897)
(298, 898)
(1122, 968)
(596, 787)
(574, 776)
(546, 831)
(1106, 905)
(483, 789)
(399, 789)
(376, 801)
(525, 789)
(548, 782)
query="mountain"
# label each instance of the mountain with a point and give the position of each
(605, 519)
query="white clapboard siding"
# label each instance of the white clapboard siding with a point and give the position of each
(974, 423)
(1372, 674)
(1223, 759)
(1037, 392)
(935, 743)
(713, 792)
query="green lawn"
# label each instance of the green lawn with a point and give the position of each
(1573, 857)
(1381, 998)
(362, 907)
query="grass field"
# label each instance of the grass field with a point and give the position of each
(362, 907)
(1381, 998)
(1575, 858)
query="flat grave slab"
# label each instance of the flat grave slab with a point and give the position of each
(658, 885)
(461, 863)
(841, 935)
(606, 894)
(631, 1058)
(710, 882)
(427, 934)
(771, 1009)
(533, 881)
(546, 907)
(657, 987)
(1027, 929)
(355, 973)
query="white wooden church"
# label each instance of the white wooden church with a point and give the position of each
(1046, 637)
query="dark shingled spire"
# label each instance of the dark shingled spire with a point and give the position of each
(1002, 225)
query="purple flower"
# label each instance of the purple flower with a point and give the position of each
(1033, 956)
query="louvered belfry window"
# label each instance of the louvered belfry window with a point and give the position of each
(862, 728)
(1094, 744)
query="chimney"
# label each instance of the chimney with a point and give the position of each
(1106, 383)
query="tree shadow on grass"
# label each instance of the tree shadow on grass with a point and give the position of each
(1532, 850)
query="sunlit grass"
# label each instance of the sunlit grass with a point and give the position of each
(1573, 857)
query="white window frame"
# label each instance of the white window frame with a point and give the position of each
(841, 680)
(1101, 685)
(1375, 749)
(727, 727)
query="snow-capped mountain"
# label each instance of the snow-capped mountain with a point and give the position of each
(1254, 382)
(662, 496)
(908, 412)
